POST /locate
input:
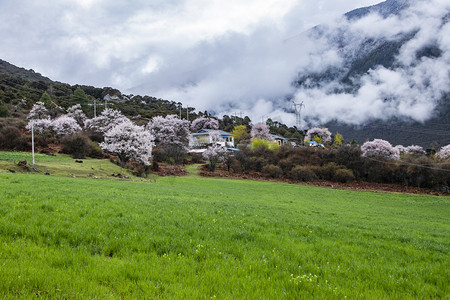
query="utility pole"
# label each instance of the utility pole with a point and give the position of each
(187, 113)
(298, 112)
(95, 108)
(181, 106)
(32, 139)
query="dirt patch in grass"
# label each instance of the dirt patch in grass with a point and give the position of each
(170, 170)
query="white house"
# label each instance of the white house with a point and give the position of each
(206, 137)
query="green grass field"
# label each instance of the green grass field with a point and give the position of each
(200, 238)
(64, 165)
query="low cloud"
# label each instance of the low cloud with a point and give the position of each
(410, 90)
(231, 57)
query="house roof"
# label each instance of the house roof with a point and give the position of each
(277, 137)
(315, 143)
(207, 131)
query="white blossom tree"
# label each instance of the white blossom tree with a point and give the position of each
(214, 154)
(401, 149)
(204, 123)
(320, 135)
(38, 111)
(108, 119)
(415, 149)
(215, 137)
(444, 152)
(170, 130)
(171, 136)
(261, 131)
(40, 126)
(65, 125)
(77, 113)
(129, 142)
(380, 148)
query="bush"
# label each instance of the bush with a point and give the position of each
(272, 170)
(325, 172)
(257, 143)
(77, 145)
(137, 169)
(11, 139)
(3, 111)
(344, 175)
(302, 173)
(196, 158)
(94, 150)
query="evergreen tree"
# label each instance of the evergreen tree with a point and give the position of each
(79, 97)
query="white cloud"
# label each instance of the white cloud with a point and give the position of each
(228, 56)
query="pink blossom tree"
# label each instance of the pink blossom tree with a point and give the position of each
(170, 130)
(215, 137)
(129, 142)
(204, 123)
(261, 131)
(444, 152)
(38, 111)
(415, 149)
(77, 113)
(65, 125)
(40, 126)
(171, 136)
(214, 154)
(320, 135)
(401, 149)
(108, 119)
(380, 148)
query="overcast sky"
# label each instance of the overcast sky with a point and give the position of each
(101, 42)
(220, 55)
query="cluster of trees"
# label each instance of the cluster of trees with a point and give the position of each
(166, 138)
(344, 164)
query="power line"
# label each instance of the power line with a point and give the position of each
(409, 164)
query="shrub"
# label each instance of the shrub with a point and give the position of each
(77, 145)
(4, 112)
(137, 168)
(272, 170)
(11, 139)
(325, 172)
(344, 175)
(95, 151)
(258, 143)
(302, 173)
(196, 158)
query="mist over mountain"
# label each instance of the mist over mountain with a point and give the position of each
(390, 77)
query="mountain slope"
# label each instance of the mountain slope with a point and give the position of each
(392, 79)
(7, 68)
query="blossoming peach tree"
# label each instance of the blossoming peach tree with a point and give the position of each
(380, 148)
(214, 154)
(204, 123)
(261, 131)
(320, 135)
(171, 136)
(129, 142)
(108, 119)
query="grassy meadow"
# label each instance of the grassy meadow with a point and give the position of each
(64, 165)
(202, 238)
